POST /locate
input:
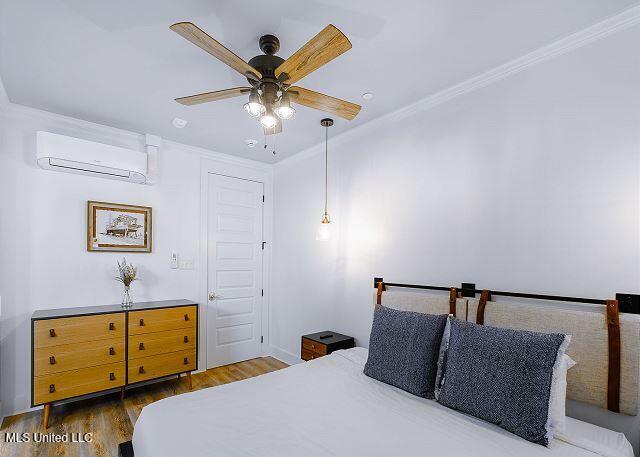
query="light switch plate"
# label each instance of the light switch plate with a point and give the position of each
(174, 260)
(187, 264)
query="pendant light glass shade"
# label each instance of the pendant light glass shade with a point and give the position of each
(323, 233)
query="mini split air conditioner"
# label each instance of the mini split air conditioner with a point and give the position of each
(72, 155)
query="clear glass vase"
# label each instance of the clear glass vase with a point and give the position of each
(126, 298)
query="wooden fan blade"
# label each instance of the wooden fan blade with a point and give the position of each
(275, 130)
(318, 51)
(322, 102)
(213, 96)
(201, 39)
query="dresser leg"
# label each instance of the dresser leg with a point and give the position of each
(47, 410)
(189, 378)
(122, 393)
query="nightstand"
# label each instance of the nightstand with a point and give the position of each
(322, 343)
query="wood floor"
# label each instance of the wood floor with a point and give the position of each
(111, 420)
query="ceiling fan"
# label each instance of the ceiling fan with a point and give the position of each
(271, 77)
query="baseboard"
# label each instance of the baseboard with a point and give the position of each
(284, 356)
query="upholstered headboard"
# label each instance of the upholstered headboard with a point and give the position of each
(587, 380)
(422, 302)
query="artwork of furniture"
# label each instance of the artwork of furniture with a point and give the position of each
(113, 227)
(79, 351)
(318, 344)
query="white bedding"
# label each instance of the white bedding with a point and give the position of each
(328, 407)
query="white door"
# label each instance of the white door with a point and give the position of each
(234, 329)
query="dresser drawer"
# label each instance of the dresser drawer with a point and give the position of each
(161, 365)
(68, 384)
(159, 320)
(148, 344)
(54, 332)
(315, 347)
(66, 357)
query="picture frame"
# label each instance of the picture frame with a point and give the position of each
(115, 227)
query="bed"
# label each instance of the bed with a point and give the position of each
(328, 407)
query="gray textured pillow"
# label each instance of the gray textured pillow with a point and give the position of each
(501, 375)
(403, 349)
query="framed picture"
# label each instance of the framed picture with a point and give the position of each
(112, 227)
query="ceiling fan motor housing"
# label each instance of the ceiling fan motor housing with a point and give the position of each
(266, 64)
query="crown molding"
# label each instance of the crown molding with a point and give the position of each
(614, 24)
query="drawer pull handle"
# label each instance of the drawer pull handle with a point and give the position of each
(52, 332)
(141, 347)
(186, 361)
(313, 356)
(186, 317)
(313, 346)
(52, 360)
(112, 377)
(141, 370)
(112, 326)
(52, 388)
(141, 322)
(112, 351)
(186, 339)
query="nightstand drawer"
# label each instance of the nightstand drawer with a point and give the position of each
(313, 346)
(53, 332)
(160, 320)
(148, 344)
(308, 355)
(68, 384)
(162, 365)
(67, 357)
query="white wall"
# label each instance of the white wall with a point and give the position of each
(529, 184)
(44, 262)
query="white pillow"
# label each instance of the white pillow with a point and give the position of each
(556, 422)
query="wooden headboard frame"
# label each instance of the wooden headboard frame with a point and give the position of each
(611, 315)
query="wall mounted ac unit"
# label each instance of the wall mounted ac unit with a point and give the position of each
(73, 155)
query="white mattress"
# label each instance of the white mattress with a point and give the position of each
(328, 407)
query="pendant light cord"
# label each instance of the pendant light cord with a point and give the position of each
(326, 166)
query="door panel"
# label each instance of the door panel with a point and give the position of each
(235, 220)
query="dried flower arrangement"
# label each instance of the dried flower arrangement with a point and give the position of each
(126, 275)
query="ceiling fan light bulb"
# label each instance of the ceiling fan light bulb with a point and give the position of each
(253, 106)
(285, 112)
(284, 109)
(268, 120)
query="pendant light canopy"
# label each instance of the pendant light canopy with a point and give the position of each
(323, 231)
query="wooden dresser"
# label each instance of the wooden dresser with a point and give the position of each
(79, 351)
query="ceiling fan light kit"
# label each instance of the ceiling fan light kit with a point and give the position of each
(271, 77)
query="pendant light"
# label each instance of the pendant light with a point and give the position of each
(323, 233)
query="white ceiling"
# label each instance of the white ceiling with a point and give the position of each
(117, 63)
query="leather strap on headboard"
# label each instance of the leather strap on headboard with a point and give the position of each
(613, 381)
(381, 289)
(485, 296)
(453, 296)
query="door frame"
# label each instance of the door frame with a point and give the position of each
(252, 172)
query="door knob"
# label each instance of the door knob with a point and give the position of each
(213, 296)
